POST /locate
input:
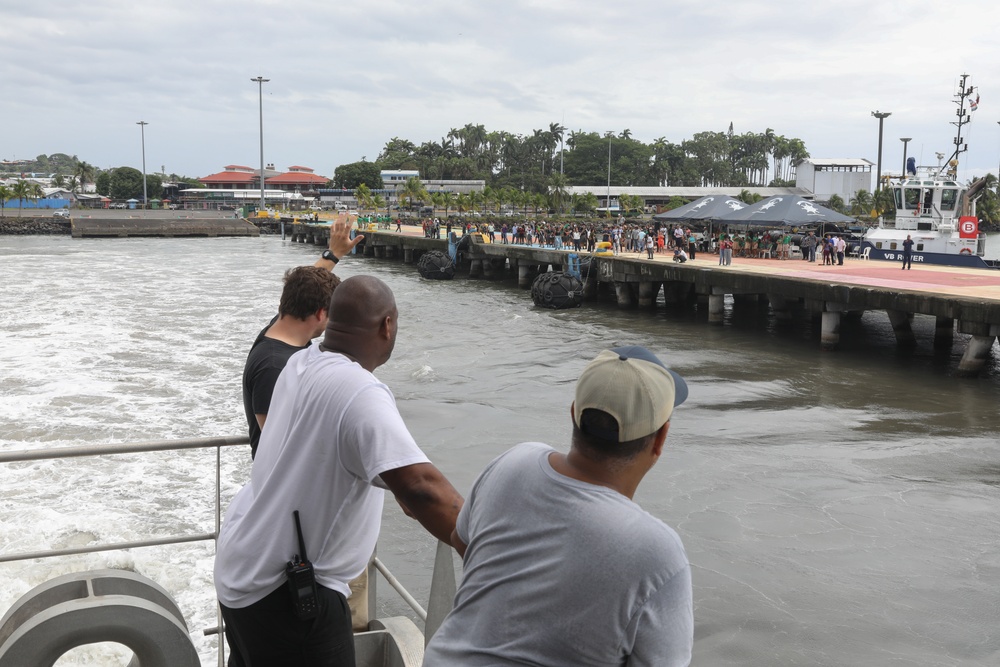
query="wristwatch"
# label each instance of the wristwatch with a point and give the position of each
(327, 255)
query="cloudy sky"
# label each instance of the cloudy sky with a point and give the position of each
(347, 77)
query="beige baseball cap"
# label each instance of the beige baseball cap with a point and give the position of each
(632, 385)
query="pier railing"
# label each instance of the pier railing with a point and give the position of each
(442, 585)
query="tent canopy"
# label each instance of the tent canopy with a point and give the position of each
(790, 210)
(704, 208)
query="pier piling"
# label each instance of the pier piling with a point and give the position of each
(900, 321)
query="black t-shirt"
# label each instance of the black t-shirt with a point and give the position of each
(264, 364)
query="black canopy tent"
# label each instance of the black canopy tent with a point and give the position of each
(709, 207)
(784, 211)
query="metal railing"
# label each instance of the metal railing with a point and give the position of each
(441, 595)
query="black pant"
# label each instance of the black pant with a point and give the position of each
(269, 634)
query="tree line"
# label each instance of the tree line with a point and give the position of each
(546, 157)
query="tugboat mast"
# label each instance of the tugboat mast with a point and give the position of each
(963, 119)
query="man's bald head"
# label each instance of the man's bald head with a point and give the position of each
(362, 321)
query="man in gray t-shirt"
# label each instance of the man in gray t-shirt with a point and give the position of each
(561, 566)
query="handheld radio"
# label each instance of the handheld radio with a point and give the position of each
(302, 579)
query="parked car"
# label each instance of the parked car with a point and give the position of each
(62, 213)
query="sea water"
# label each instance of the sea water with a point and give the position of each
(837, 508)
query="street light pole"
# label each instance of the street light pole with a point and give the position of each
(608, 204)
(881, 115)
(905, 140)
(998, 173)
(260, 81)
(142, 132)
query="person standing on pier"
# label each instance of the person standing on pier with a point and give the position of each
(908, 253)
(841, 247)
(562, 567)
(809, 247)
(726, 251)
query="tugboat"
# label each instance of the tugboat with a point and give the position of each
(934, 209)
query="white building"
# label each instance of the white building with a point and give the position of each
(825, 177)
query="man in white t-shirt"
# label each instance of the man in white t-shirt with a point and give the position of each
(562, 568)
(332, 441)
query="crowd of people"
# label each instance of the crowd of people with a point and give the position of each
(655, 238)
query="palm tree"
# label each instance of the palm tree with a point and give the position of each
(58, 181)
(476, 199)
(558, 189)
(884, 202)
(25, 191)
(73, 184)
(862, 203)
(84, 173)
(364, 196)
(5, 196)
(413, 189)
(836, 203)
(447, 201)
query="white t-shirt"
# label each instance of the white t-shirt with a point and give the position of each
(331, 430)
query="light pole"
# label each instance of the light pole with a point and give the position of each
(142, 132)
(905, 140)
(998, 173)
(881, 115)
(260, 81)
(608, 205)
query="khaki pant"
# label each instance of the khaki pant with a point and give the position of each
(358, 602)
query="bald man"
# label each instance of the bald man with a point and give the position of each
(333, 441)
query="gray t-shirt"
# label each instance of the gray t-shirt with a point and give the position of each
(561, 572)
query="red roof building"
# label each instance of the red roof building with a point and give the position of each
(239, 177)
(297, 179)
(235, 177)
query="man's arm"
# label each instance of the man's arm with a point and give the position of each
(341, 242)
(428, 496)
(457, 542)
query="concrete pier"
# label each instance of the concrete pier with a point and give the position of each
(830, 331)
(901, 327)
(623, 292)
(970, 297)
(716, 308)
(944, 333)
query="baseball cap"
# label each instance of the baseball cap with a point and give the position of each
(632, 385)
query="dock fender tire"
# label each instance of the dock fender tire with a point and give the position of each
(557, 290)
(436, 265)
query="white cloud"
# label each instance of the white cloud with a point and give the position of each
(347, 78)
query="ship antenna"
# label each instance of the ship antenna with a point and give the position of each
(963, 119)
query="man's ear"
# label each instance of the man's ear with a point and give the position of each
(661, 437)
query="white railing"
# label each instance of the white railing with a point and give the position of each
(442, 584)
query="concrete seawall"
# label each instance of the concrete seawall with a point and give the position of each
(119, 228)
